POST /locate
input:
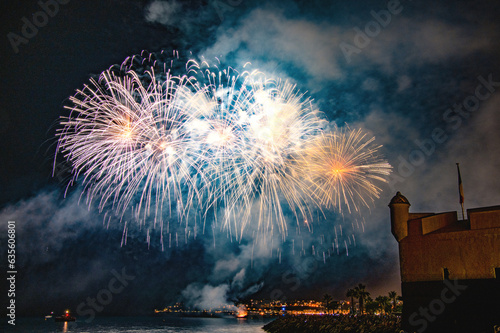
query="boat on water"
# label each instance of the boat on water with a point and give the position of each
(65, 317)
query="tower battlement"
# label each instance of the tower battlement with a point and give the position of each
(435, 248)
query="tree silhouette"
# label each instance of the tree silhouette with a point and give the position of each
(351, 293)
(384, 303)
(370, 305)
(361, 294)
(393, 295)
(327, 299)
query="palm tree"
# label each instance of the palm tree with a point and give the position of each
(351, 293)
(327, 300)
(361, 294)
(384, 303)
(393, 295)
(370, 306)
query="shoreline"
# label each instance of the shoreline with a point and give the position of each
(334, 324)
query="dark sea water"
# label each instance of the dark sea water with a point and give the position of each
(142, 324)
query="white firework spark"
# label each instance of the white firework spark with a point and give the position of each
(211, 139)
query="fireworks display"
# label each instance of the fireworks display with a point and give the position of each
(238, 145)
(343, 169)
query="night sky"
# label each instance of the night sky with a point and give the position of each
(422, 78)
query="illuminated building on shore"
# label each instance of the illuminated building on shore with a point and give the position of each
(259, 308)
(450, 268)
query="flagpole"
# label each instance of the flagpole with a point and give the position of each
(463, 215)
(461, 191)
